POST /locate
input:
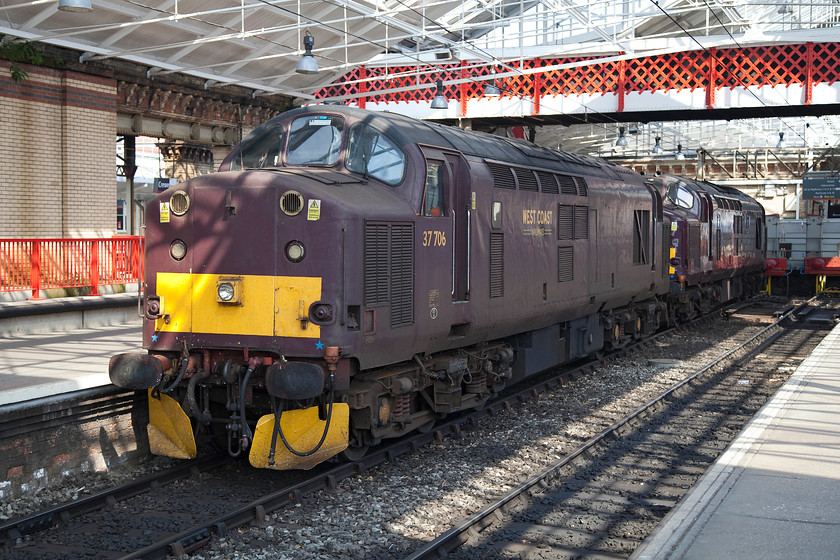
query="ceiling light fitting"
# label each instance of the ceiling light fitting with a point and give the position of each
(622, 140)
(781, 143)
(440, 102)
(679, 154)
(657, 148)
(490, 88)
(75, 6)
(307, 63)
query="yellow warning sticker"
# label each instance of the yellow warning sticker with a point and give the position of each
(314, 210)
(164, 212)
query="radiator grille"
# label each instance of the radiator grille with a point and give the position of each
(527, 180)
(376, 264)
(548, 184)
(565, 264)
(502, 176)
(497, 269)
(389, 269)
(567, 184)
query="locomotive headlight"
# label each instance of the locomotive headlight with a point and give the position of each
(229, 290)
(178, 249)
(295, 251)
(225, 291)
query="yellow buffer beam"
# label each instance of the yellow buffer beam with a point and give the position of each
(266, 305)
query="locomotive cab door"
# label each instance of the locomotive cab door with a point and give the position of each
(448, 193)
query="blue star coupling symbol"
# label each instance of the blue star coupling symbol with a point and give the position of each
(319, 345)
(154, 337)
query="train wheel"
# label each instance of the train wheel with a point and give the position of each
(427, 427)
(354, 453)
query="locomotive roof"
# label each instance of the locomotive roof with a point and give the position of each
(406, 130)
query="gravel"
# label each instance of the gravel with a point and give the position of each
(394, 508)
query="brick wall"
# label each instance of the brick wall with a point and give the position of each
(44, 443)
(57, 154)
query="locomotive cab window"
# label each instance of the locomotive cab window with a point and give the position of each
(314, 140)
(678, 194)
(434, 192)
(373, 154)
(262, 151)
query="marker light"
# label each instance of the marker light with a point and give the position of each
(295, 251)
(178, 249)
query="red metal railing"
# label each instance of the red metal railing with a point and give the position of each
(41, 264)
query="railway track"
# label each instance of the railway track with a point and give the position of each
(210, 502)
(601, 500)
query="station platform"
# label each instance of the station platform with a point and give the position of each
(64, 346)
(775, 492)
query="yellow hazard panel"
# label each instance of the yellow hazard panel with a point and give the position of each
(267, 305)
(170, 430)
(302, 430)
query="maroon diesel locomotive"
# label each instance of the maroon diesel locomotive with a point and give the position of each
(349, 276)
(717, 243)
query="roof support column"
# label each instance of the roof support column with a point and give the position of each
(711, 79)
(622, 82)
(809, 72)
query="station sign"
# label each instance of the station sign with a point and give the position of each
(163, 183)
(820, 188)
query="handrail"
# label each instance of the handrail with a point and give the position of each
(41, 264)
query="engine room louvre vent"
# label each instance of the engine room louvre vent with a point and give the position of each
(581, 222)
(666, 248)
(497, 269)
(583, 190)
(527, 180)
(567, 184)
(376, 263)
(291, 203)
(565, 221)
(502, 176)
(548, 184)
(402, 274)
(565, 264)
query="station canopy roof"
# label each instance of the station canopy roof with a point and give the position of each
(257, 43)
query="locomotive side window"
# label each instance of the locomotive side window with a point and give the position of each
(314, 140)
(433, 196)
(372, 153)
(262, 151)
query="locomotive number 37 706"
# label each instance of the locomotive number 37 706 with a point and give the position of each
(434, 239)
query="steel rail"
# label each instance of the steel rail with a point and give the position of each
(62, 514)
(458, 535)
